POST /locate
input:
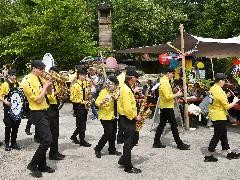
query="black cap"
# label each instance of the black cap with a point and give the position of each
(38, 64)
(82, 72)
(220, 76)
(54, 68)
(132, 72)
(113, 79)
(169, 70)
(12, 72)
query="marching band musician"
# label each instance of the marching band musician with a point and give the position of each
(127, 110)
(107, 103)
(11, 125)
(218, 115)
(53, 113)
(167, 113)
(78, 92)
(35, 91)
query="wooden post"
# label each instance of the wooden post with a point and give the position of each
(212, 69)
(184, 78)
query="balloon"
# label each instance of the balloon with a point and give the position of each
(200, 65)
(111, 63)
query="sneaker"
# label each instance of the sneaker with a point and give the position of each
(34, 170)
(97, 153)
(158, 145)
(46, 169)
(232, 155)
(133, 170)
(210, 159)
(184, 147)
(75, 140)
(85, 144)
(117, 153)
(16, 146)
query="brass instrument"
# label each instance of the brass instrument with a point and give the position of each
(88, 97)
(61, 80)
(144, 111)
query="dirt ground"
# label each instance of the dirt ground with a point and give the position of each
(81, 163)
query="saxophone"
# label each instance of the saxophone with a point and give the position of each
(88, 97)
(144, 111)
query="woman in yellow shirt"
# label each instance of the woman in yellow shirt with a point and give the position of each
(106, 101)
(218, 115)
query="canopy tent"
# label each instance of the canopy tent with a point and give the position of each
(195, 46)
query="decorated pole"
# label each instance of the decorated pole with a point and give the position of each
(184, 78)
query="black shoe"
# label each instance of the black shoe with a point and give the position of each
(133, 170)
(158, 145)
(75, 140)
(7, 147)
(36, 140)
(61, 155)
(97, 153)
(56, 157)
(28, 132)
(232, 155)
(85, 144)
(46, 169)
(115, 153)
(184, 147)
(34, 171)
(16, 146)
(210, 159)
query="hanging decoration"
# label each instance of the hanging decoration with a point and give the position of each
(166, 58)
(111, 63)
(200, 65)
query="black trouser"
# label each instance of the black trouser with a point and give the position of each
(11, 127)
(53, 113)
(220, 133)
(167, 115)
(129, 128)
(81, 120)
(120, 135)
(41, 122)
(110, 130)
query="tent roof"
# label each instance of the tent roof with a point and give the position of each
(195, 46)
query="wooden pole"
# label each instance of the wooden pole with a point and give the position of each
(212, 69)
(184, 78)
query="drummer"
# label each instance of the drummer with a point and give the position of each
(11, 123)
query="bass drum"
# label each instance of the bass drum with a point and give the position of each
(16, 98)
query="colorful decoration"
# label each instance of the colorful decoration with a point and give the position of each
(111, 63)
(165, 58)
(200, 65)
(236, 61)
(174, 64)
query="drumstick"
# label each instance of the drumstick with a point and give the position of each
(231, 92)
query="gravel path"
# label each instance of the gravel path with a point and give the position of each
(81, 163)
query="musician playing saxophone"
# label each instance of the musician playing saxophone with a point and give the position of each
(167, 113)
(78, 95)
(127, 110)
(107, 103)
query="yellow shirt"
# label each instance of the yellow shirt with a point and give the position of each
(106, 111)
(76, 91)
(126, 104)
(121, 78)
(32, 89)
(4, 90)
(52, 98)
(218, 108)
(165, 93)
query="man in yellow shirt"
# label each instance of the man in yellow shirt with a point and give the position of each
(107, 103)
(11, 123)
(78, 95)
(36, 90)
(167, 113)
(218, 115)
(127, 110)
